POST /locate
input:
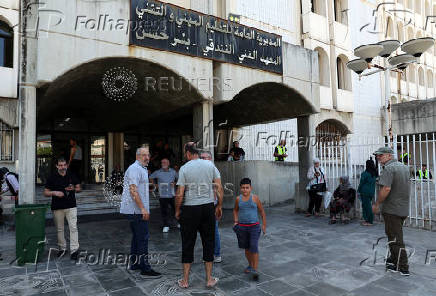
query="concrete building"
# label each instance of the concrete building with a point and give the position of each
(75, 51)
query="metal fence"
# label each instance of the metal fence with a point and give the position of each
(348, 157)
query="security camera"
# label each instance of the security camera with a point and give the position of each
(368, 52)
(417, 47)
(357, 65)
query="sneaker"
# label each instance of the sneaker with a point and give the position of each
(217, 259)
(389, 261)
(178, 225)
(391, 268)
(150, 272)
(404, 272)
(248, 269)
(60, 253)
(75, 255)
(165, 229)
(135, 267)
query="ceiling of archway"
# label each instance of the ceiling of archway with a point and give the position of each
(79, 94)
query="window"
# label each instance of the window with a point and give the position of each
(400, 32)
(429, 79)
(324, 69)
(6, 45)
(421, 77)
(418, 6)
(343, 74)
(318, 7)
(6, 142)
(341, 11)
(390, 28)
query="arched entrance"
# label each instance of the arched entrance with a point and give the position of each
(250, 109)
(111, 106)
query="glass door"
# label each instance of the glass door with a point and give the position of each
(97, 166)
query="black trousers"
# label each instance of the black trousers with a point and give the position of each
(199, 218)
(315, 200)
(394, 232)
(167, 210)
(75, 166)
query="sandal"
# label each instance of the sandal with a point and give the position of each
(213, 285)
(248, 269)
(183, 286)
(308, 214)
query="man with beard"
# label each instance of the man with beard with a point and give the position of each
(62, 187)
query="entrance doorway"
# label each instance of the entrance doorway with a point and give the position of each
(51, 146)
(97, 165)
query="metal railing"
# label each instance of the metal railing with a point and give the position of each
(348, 157)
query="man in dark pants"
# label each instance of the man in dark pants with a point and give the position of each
(166, 178)
(394, 198)
(196, 180)
(135, 205)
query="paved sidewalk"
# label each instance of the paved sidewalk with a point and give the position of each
(298, 256)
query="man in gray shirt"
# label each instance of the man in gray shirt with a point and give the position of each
(394, 198)
(166, 178)
(198, 213)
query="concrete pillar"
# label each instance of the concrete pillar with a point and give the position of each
(119, 150)
(203, 125)
(306, 134)
(110, 152)
(27, 101)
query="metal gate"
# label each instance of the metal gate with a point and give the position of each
(347, 157)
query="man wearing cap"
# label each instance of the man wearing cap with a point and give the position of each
(394, 197)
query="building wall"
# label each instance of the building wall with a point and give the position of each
(8, 81)
(8, 76)
(368, 92)
(273, 182)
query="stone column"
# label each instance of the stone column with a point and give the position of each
(306, 136)
(27, 101)
(203, 125)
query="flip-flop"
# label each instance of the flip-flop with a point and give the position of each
(216, 281)
(179, 282)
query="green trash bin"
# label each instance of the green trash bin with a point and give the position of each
(30, 232)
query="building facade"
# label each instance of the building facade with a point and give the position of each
(78, 55)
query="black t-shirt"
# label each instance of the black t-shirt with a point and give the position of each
(58, 183)
(237, 152)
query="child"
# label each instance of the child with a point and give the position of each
(246, 225)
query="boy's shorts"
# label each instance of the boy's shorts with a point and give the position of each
(248, 237)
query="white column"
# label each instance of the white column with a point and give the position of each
(27, 101)
(306, 132)
(203, 125)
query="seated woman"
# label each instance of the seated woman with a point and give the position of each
(343, 200)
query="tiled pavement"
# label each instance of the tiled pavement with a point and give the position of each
(298, 256)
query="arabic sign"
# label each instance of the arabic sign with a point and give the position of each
(168, 27)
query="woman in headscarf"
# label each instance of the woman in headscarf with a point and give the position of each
(315, 175)
(366, 190)
(344, 197)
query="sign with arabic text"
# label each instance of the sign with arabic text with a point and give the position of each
(169, 27)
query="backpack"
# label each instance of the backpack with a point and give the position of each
(11, 188)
